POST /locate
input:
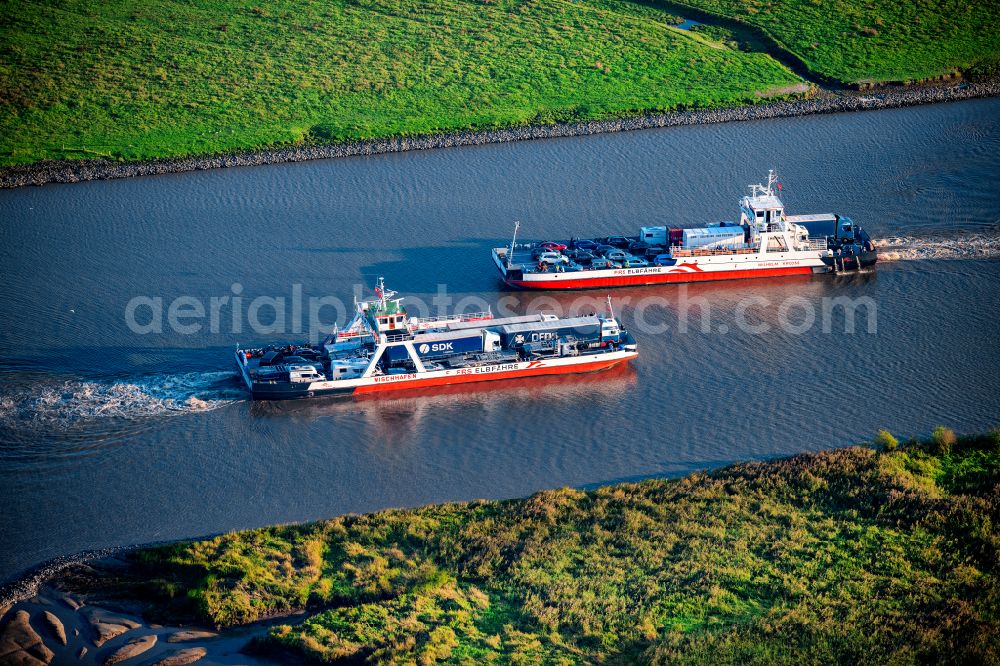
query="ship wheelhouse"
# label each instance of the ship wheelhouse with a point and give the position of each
(386, 316)
(762, 210)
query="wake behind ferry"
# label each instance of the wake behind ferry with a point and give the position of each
(385, 349)
(764, 243)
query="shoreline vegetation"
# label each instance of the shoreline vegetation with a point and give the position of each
(109, 89)
(880, 97)
(883, 553)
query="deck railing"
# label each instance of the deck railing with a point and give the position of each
(472, 316)
(709, 252)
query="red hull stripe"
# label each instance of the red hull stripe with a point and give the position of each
(658, 278)
(486, 377)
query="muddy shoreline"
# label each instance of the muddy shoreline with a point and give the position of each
(79, 617)
(27, 583)
(825, 101)
(66, 610)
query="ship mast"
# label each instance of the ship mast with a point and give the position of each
(772, 178)
(513, 241)
(384, 295)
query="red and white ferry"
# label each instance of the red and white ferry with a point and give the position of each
(764, 243)
(384, 349)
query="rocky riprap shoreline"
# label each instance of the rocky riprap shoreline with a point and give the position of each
(72, 171)
(28, 583)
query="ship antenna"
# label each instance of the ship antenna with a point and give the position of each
(611, 312)
(513, 241)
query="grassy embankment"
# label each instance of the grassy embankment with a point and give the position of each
(852, 41)
(861, 555)
(83, 78)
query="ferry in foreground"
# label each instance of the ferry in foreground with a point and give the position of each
(764, 243)
(384, 349)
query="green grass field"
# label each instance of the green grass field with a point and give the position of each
(171, 78)
(83, 78)
(875, 40)
(861, 555)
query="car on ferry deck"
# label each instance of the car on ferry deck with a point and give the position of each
(600, 263)
(635, 262)
(582, 257)
(620, 242)
(552, 258)
(617, 255)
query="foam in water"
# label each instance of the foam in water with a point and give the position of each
(76, 400)
(963, 246)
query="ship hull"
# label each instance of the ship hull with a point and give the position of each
(702, 269)
(557, 281)
(865, 259)
(452, 376)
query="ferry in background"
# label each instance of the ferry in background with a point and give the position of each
(384, 349)
(764, 243)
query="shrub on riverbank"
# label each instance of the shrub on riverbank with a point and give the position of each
(885, 441)
(853, 555)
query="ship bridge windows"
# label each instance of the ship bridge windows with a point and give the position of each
(390, 321)
(776, 244)
(766, 216)
(762, 219)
